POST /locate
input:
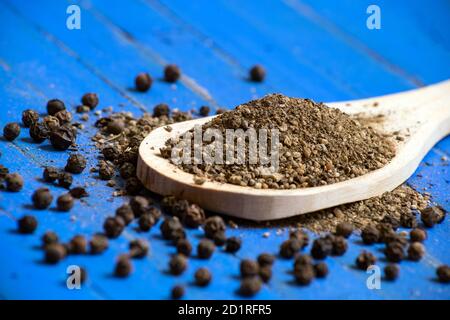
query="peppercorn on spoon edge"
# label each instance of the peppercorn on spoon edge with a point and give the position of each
(421, 116)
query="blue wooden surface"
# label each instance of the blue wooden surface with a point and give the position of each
(317, 49)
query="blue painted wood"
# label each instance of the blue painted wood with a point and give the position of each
(41, 59)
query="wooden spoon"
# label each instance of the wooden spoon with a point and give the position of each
(421, 117)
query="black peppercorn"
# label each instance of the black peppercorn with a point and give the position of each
(392, 221)
(54, 253)
(14, 182)
(64, 116)
(194, 216)
(29, 117)
(212, 225)
(233, 244)
(11, 131)
(202, 277)
(49, 238)
(321, 270)
(50, 174)
(126, 213)
(321, 248)
(339, 245)
(443, 273)
(42, 198)
(416, 251)
(62, 138)
(257, 73)
(344, 229)
(432, 215)
(98, 244)
(78, 192)
(155, 212)
(304, 274)
(138, 248)
(78, 245)
(394, 252)
(64, 202)
(289, 248)
(143, 82)
(177, 292)
(250, 286)
(146, 222)
(113, 226)
(65, 179)
(249, 268)
(418, 235)
(27, 224)
(205, 249)
(127, 170)
(111, 152)
(265, 273)
(408, 220)
(38, 132)
(204, 111)
(370, 234)
(171, 229)
(391, 271)
(184, 247)
(76, 163)
(177, 264)
(139, 205)
(133, 186)
(266, 259)
(172, 73)
(365, 259)
(54, 106)
(160, 110)
(220, 239)
(51, 123)
(300, 235)
(106, 170)
(90, 100)
(115, 127)
(123, 266)
(302, 259)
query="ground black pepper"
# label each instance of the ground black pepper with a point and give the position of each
(98, 244)
(113, 227)
(27, 224)
(202, 277)
(443, 273)
(416, 251)
(126, 213)
(408, 220)
(11, 131)
(138, 248)
(321, 270)
(78, 245)
(391, 271)
(90, 100)
(250, 286)
(177, 264)
(123, 266)
(418, 235)
(233, 244)
(14, 182)
(65, 179)
(76, 163)
(143, 82)
(42, 198)
(172, 73)
(177, 292)
(50, 174)
(257, 73)
(29, 117)
(54, 106)
(65, 202)
(365, 259)
(205, 249)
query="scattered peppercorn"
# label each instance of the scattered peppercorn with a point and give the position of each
(76, 163)
(321, 270)
(42, 198)
(266, 259)
(48, 238)
(133, 186)
(212, 225)
(11, 131)
(78, 192)
(143, 82)
(302, 259)
(194, 216)
(177, 292)
(51, 123)
(250, 286)
(344, 229)
(29, 117)
(177, 264)
(432, 215)
(289, 248)
(116, 127)
(113, 226)
(339, 245)
(27, 224)
(321, 248)
(14, 182)
(365, 259)
(111, 152)
(265, 273)
(394, 252)
(62, 138)
(127, 170)
(54, 253)
(443, 273)
(106, 170)
(205, 249)
(301, 236)
(418, 235)
(416, 251)
(391, 271)
(123, 266)
(392, 221)
(160, 110)
(65, 179)
(64, 202)
(78, 245)
(54, 106)
(90, 100)
(146, 222)
(50, 174)
(138, 248)
(249, 268)
(370, 234)
(126, 213)
(220, 239)
(172, 73)
(38, 132)
(257, 73)
(204, 111)
(408, 220)
(98, 244)
(64, 117)
(304, 274)
(171, 229)
(202, 277)
(139, 205)
(184, 247)
(233, 244)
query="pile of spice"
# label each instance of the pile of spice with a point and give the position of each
(318, 145)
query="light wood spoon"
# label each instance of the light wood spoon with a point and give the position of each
(421, 116)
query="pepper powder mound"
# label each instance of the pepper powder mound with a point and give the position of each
(318, 145)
